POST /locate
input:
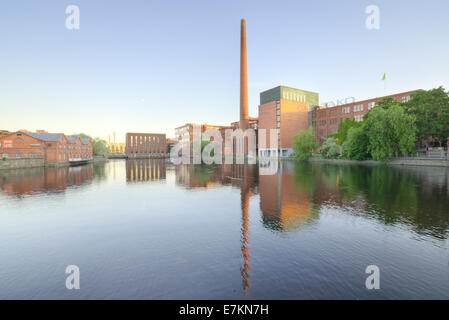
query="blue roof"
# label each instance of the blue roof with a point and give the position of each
(85, 140)
(44, 136)
(72, 139)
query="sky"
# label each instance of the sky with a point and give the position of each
(150, 66)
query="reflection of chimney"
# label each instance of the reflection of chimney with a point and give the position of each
(243, 79)
(245, 197)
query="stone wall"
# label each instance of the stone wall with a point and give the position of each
(21, 163)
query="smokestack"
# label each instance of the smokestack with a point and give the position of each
(243, 79)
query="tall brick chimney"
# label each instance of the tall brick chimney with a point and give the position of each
(243, 79)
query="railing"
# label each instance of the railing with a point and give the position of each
(435, 153)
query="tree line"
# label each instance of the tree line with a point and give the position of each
(388, 130)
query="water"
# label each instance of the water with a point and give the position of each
(150, 230)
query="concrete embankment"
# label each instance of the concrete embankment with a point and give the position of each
(393, 162)
(344, 161)
(18, 163)
(419, 162)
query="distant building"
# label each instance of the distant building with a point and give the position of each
(184, 133)
(286, 110)
(143, 145)
(253, 123)
(117, 147)
(326, 121)
(53, 147)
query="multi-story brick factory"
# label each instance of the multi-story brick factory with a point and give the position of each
(287, 110)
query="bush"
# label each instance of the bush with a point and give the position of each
(356, 145)
(330, 149)
(304, 143)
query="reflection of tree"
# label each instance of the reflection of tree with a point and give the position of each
(306, 176)
(100, 173)
(391, 194)
(203, 172)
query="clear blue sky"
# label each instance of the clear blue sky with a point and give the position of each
(149, 66)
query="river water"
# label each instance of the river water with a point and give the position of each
(147, 229)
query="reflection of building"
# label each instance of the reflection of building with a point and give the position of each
(283, 205)
(243, 177)
(193, 176)
(286, 110)
(117, 147)
(32, 180)
(143, 145)
(145, 170)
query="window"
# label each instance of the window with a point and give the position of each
(371, 105)
(358, 118)
(358, 107)
(345, 110)
(404, 99)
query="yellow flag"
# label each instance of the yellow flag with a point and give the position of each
(383, 78)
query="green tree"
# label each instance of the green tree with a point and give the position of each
(431, 110)
(356, 146)
(386, 103)
(304, 143)
(343, 129)
(330, 149)
(390, 131)
(99, 146)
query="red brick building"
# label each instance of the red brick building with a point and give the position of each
(53, 147)
(285, 110)
(326, 121)
(74, 146)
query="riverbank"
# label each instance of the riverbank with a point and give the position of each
(393, 162)
(24, 163)
(19, 163)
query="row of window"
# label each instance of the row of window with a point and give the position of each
(293, 96)
(334, 121)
